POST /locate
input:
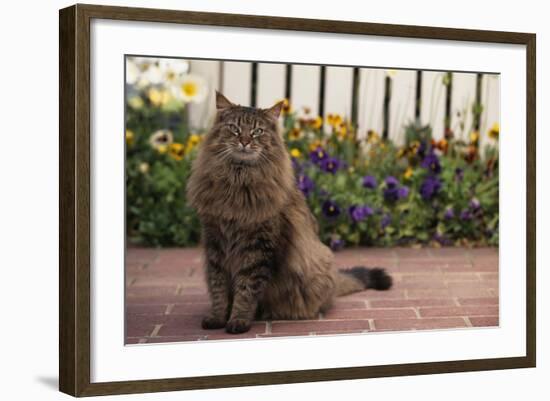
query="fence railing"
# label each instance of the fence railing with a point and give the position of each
(374, 99)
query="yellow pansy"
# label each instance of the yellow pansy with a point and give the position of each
(294, 134)
(162, 149)
(415, 146)
(135, 102)
(315, 144)
(408, 173)
(317, 122)
(295, 153)
(494, 132)
(176, 151)
(474, 136)
(334, 120)
(286, 107)
(158, 97)
(342, 131)
(194, 139)
(129, 137)
(442, 145)
(372, 136)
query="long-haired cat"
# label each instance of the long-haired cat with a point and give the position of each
(263, 255)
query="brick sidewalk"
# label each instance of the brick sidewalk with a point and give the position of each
(433, 289)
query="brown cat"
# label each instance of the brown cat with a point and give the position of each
(263, 255)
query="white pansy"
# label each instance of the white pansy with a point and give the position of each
(143, 63)
(161, 137)
(175, 66)
(172, 71)
(190, 88)
(132, 72)
(154, 74)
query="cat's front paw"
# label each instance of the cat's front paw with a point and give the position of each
(212, 322)
(236, 326)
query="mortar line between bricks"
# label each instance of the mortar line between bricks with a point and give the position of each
(455, 299)
(153, 261)
(469, 257)
(169, 309)
(268, 327)
(395, 259)
(156, 330)
(467, 321)
(417, 312)
(179, 289)
(142, 341)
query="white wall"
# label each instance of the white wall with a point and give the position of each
(28, 205)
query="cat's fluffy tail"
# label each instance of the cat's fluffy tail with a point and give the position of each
(360, 278)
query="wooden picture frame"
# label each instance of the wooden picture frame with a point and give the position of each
(75, 207)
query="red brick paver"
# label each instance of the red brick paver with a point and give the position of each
(444, 288)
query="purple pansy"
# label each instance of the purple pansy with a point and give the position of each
(403, 192)
(459, 174)
(393, 191)
(369, 181)
(305, 184)
(330, 165)
(318, 155)
(296, 164)
(421, 151)
(391, 194)
(430, 187)
(431, 162)
(391, 182)
(466, 215)
(359, 213)
(385, 221)
(474, 204)
(330, 209)
(336, 243)
(449, 213)
(442, 239)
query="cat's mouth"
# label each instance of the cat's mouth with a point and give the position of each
(245, 155)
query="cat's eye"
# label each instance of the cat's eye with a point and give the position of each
(234, 129)
(257, 132)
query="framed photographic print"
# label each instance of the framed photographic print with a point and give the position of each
(250, 200)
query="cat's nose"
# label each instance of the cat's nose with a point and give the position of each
(245, 142)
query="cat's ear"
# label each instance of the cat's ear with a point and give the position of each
(275, 110)
(222, 102)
